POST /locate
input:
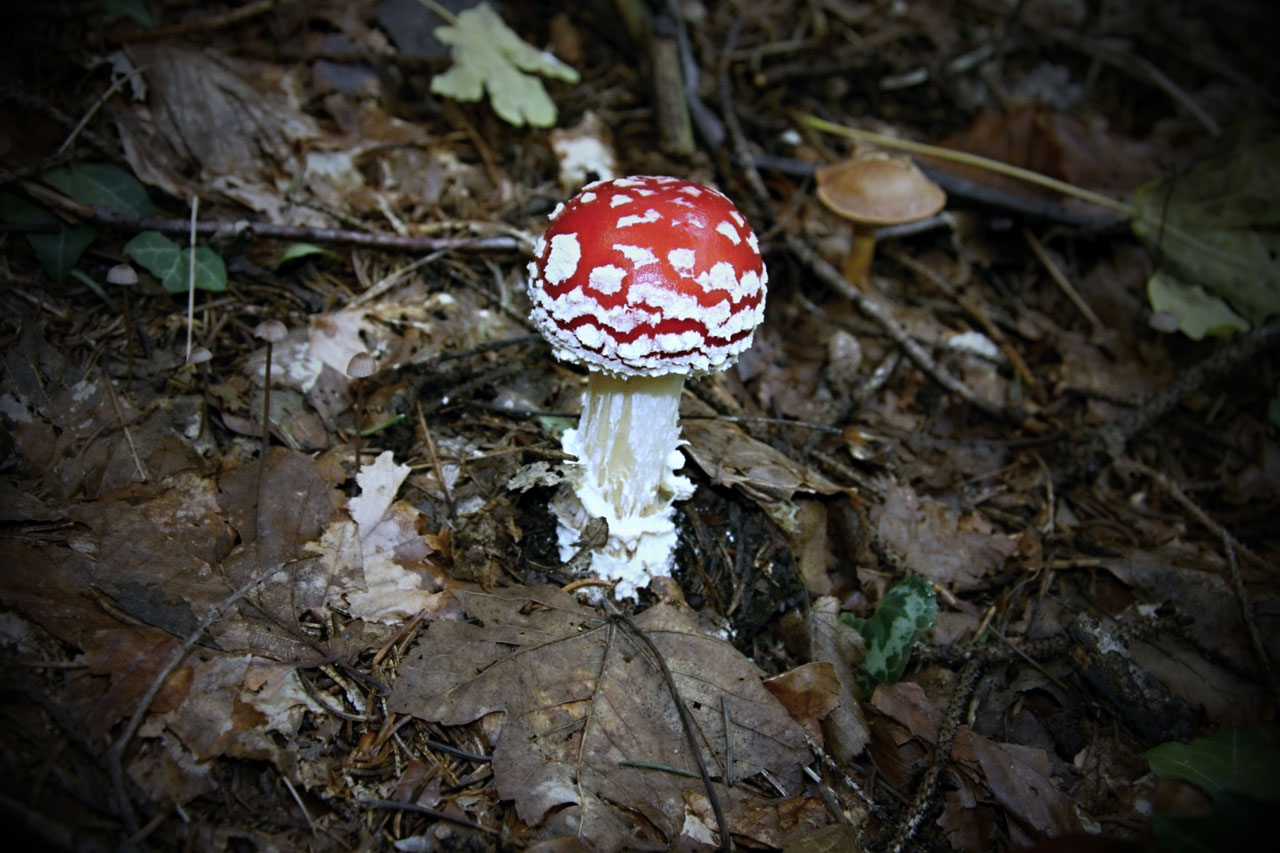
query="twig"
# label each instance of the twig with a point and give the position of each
(1230, 544)
(728, 742)
(686, 721)
(368, 239)
(891, 327)
(93, 110)
(1246, 613)
(1137, 66)
(435, 462)
(9, 92)
(1060, 279)
(128, 434)
(116, 753)
(423, 810)
(1111, 440)
(191, 273)
(297, 799)
(391, 280)
(1194, 510)
(920, 803)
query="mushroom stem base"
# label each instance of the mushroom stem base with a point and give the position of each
(627, 446)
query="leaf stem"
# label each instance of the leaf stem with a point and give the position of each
(441, 11)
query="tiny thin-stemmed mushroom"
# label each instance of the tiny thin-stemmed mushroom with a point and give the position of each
(125, 277)
(272, 332)
(871, 190)
(644, 280)
(359, 368)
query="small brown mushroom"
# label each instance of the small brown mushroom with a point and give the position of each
(273, 332)
(871, 190)
(360, 368)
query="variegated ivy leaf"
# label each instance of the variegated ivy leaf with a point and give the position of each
(903, 616)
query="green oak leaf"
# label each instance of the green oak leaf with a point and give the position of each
(489, 56)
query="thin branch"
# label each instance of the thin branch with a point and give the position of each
(370, 239)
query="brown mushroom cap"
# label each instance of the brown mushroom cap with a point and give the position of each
(271, 331)
(361, 366)
(879, 189)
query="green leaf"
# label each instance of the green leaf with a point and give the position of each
(302, 250)
(102, 184)
(1215, 224)
(1227, 760)
(170, 263)
(57, 251)
(1198, 313)
(903, 616)
(488, 55)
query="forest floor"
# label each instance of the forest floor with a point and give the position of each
(360, 634)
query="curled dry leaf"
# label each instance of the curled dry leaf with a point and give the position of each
(730, 457)
(809, 693)
(581, 697)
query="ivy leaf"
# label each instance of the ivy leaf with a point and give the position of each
(488, 55)
(1240, 771)
(903, 616)
(57, 251)
(102, 184)
(1215, 225)
(169, 262)
(1227, 760)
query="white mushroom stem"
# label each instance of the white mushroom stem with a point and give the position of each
(627, 447)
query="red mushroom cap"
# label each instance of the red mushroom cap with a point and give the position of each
(645, 276)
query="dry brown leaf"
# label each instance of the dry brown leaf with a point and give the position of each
(46, 583)
(1018, 777)
(131, 658)
(203, 113)
(1210, 604)
(237, 706)
(950, 549)
(394, 576)
(730, 457)
(580, 696)
(834, 642)
(809, 692)
(833, 838)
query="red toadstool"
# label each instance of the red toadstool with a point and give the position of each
(645, 280)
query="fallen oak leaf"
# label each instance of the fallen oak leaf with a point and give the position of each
(580, 698)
